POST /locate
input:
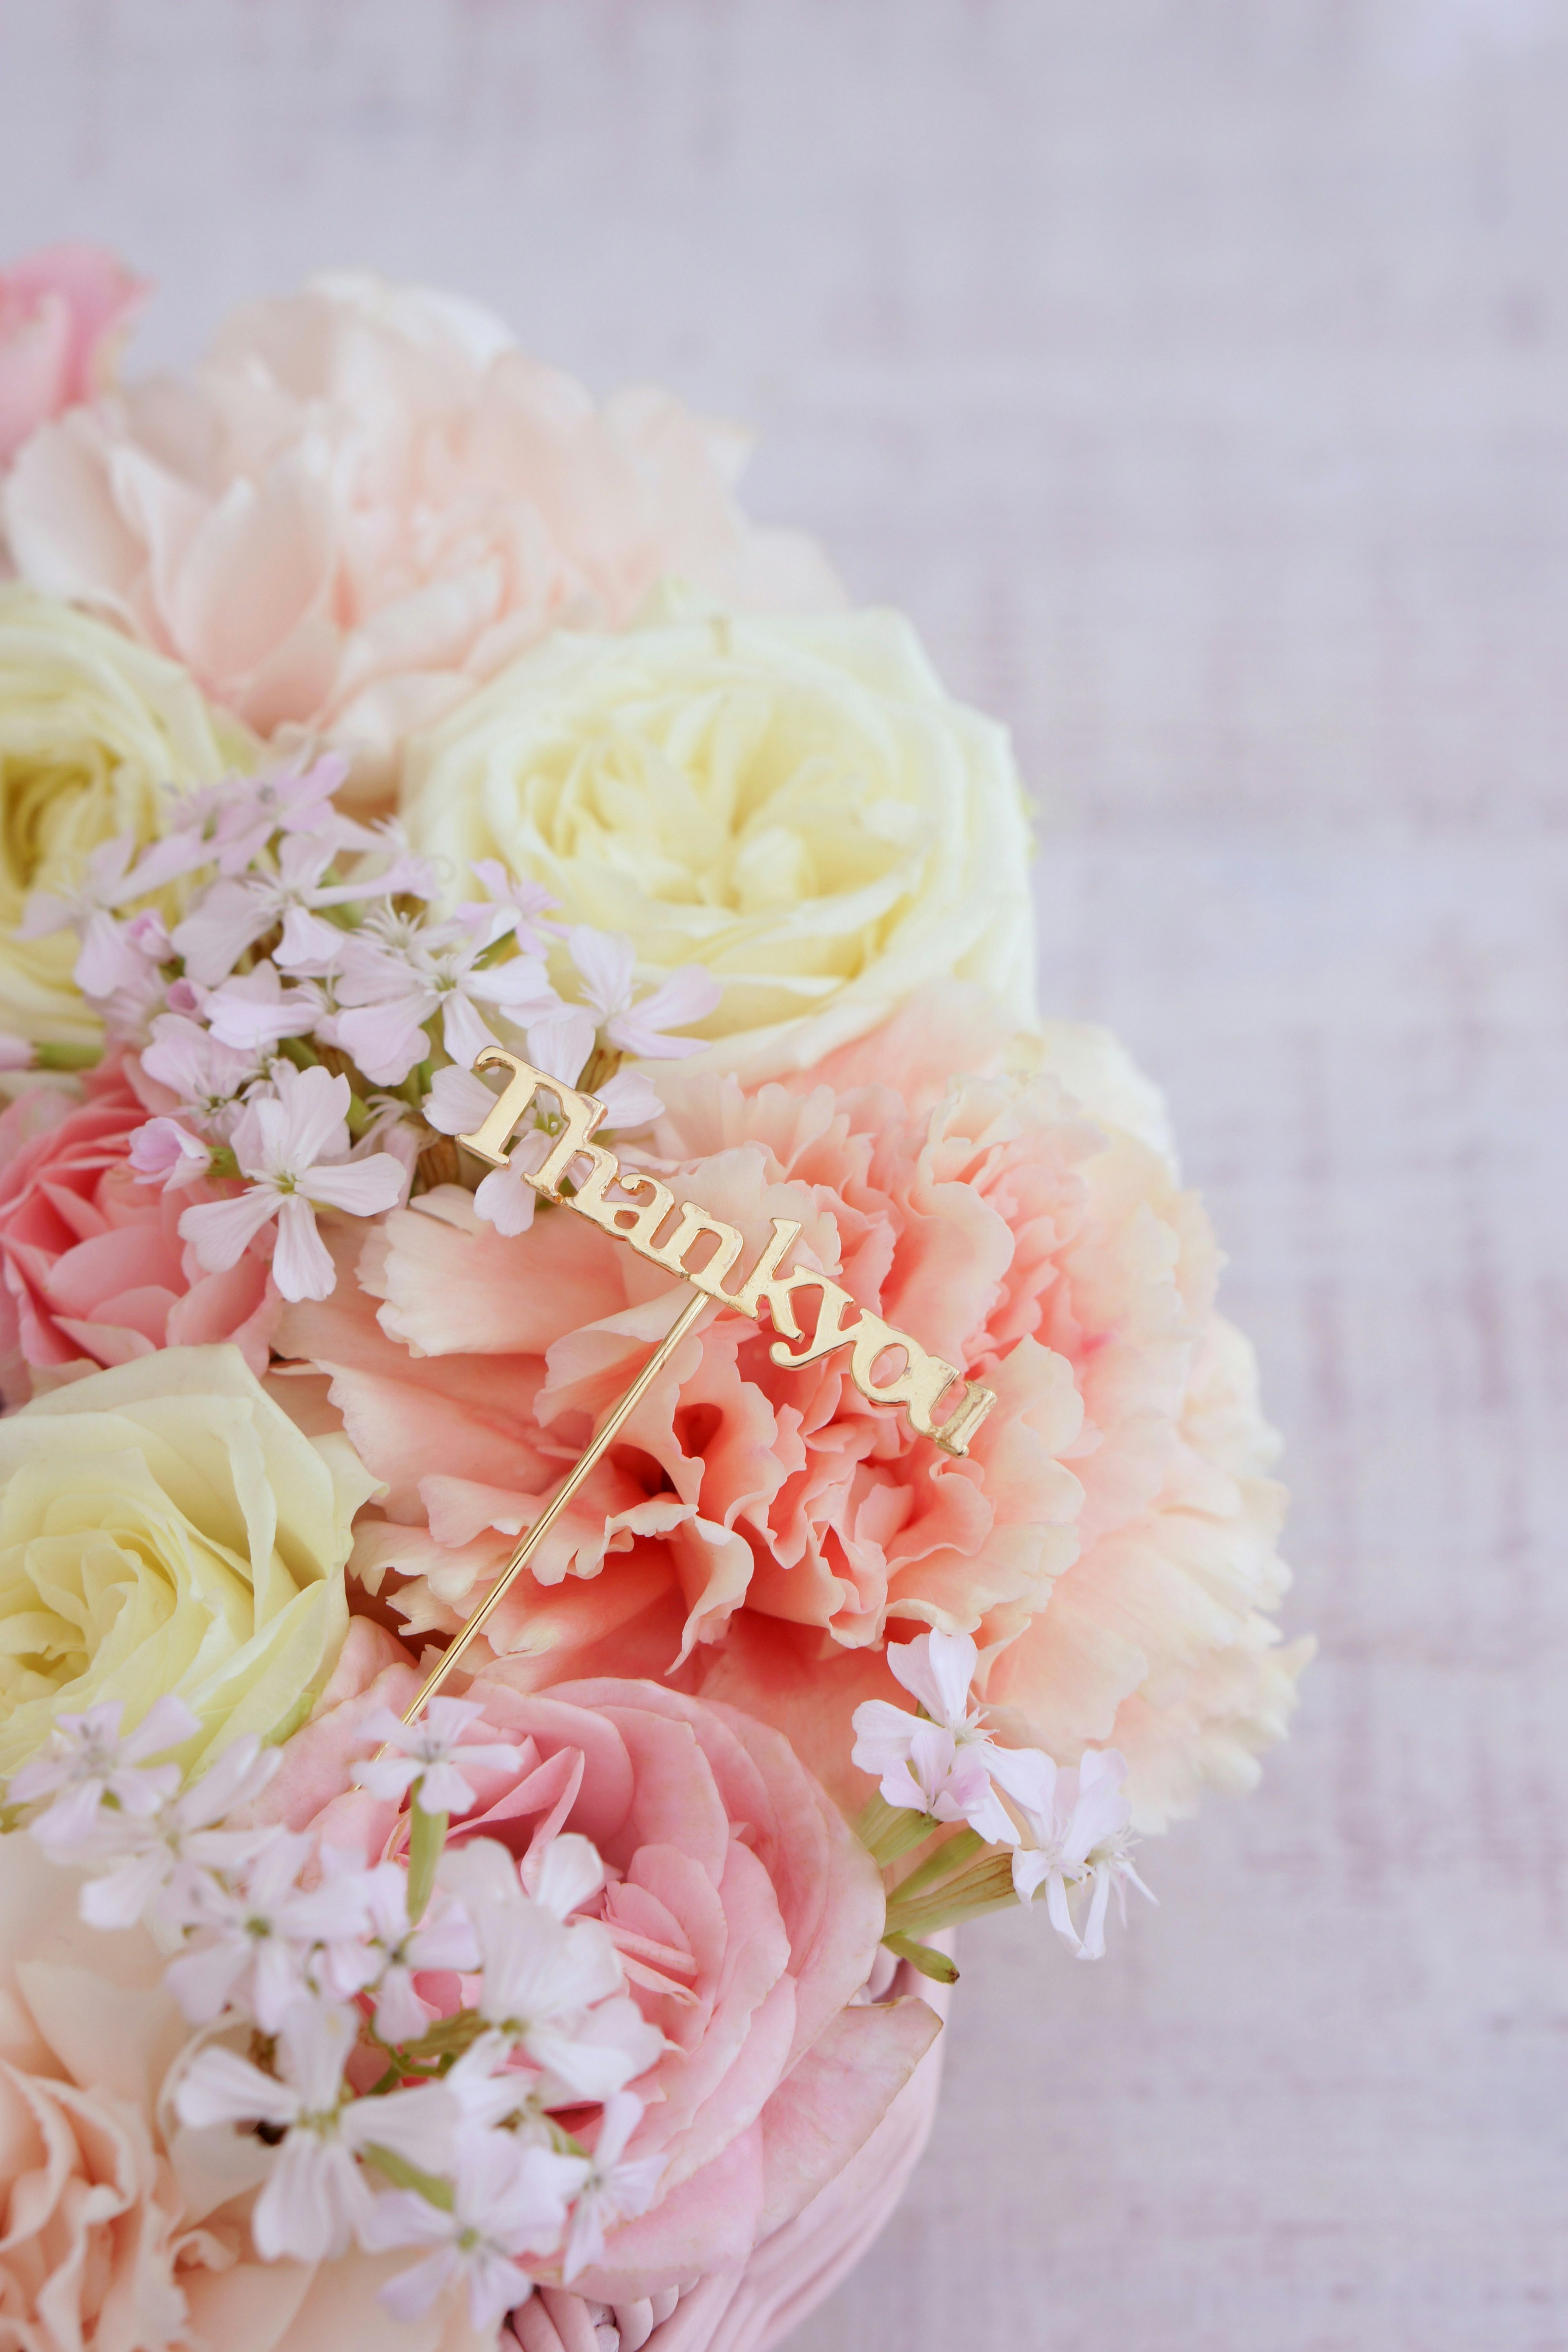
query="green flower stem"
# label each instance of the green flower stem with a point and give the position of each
(887, 1831)
(987, 1886)
(951, 1914)
(953, 1854)
(441, 2042)
(296, 1050)
(403, 2175)
(66, 1057)
(603, 1064)
(428, 1835)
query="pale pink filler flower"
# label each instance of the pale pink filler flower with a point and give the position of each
(294, 1147)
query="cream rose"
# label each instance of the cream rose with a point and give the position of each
(794, 803)
(164, 1527)
(92, 729)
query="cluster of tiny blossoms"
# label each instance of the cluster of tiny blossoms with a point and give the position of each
(1027, 1823)
(391, 2125)
(307, 1028)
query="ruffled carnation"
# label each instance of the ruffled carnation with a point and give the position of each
(1109, 1540)
(92, 1268)
(746, 1913)
(63, 313)
(369, 500)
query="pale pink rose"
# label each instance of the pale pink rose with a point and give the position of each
(1109, 1541)
(369, 500)
(747, 1913)
(92, 1268)
(799, 2264)
(62, 314)
(113, 2236)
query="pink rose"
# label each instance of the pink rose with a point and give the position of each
(62, 314)
(370, 499)
(92, 1268)
(1109, 1541)
(747, 1914)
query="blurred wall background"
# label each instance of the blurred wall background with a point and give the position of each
(1193, 372)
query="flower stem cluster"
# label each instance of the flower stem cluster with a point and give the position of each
(1026, 1823)
(303, 1035)
(306, 1970)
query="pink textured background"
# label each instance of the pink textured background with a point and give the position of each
(1195, 372)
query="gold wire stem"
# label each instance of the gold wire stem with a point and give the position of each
(598, 1444)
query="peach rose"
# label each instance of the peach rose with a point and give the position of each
(92, 1268)
(63, 311)
(120, 2231)
(747, 1914)
(1110, 1540)
(369, 500)
(94, 2241)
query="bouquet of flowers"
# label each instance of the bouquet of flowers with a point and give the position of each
(607, 1433)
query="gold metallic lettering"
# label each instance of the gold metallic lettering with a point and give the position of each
(490, 1139)
(709, 1275)
(962, 1423)
(831, 1332)
(763, 1281)
(923, 1381)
